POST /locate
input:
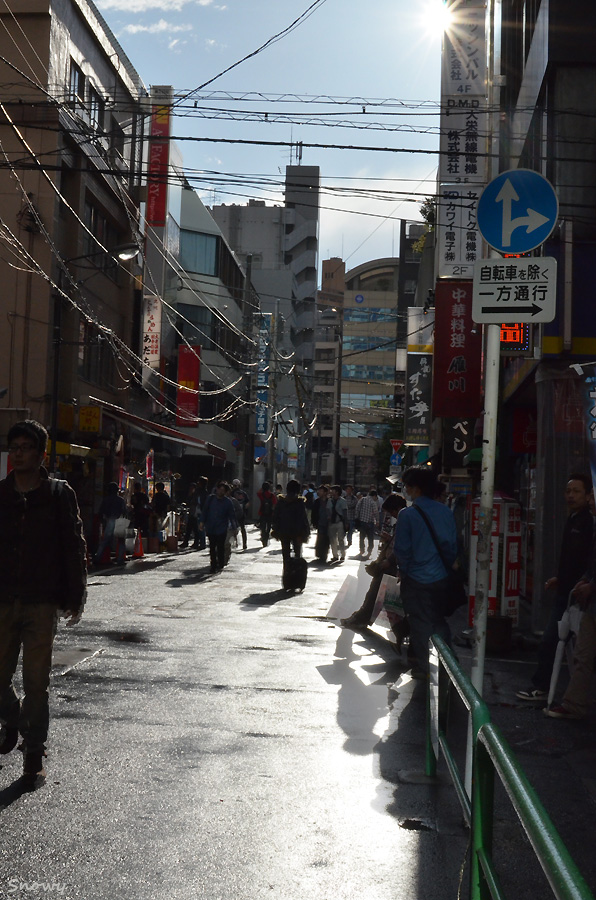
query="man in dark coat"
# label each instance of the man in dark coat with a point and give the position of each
(290, 522)
(574, 558)
(43, 573)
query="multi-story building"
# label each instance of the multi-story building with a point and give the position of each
(70, 123)
(282, 243)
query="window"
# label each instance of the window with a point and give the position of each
(76, 92)
(384, 374)
(367, 342)
(196, 324)
(96, 360)
(198, 252)
(106, 235)
(116, 138)
(96, 109)
(369, 314)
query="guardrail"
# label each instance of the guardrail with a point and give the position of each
(492, 754)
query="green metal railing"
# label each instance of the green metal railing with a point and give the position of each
(492, 754)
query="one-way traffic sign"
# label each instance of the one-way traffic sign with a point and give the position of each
(517, 211)
(515, 290)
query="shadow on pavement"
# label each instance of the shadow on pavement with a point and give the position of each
(190, 576)
(253, 601)
(13, 792)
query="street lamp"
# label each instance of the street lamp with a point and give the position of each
(121, 253)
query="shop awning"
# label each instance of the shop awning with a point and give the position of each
(64, 449)
(159, 430)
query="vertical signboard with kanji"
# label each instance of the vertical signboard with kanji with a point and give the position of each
(187, 394)
(458, 239)
(151, 331)
(505, 559)
(418, 398)
(463, 141)
(458, 440)
(262, 404)
(458, 353)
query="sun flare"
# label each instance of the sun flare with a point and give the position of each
(436, 17)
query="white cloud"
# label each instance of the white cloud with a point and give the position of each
(157, 28)
(136, 6)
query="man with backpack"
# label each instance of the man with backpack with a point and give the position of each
(44, 575)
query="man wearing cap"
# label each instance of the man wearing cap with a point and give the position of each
(43, 574)
(242, 497)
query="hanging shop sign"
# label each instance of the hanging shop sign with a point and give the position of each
(458, 353)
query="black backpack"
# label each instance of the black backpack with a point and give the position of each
(309, 499)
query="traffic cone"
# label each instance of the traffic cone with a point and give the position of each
(138, 550)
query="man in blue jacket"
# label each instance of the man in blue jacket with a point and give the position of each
(217, 516)
(423, 574)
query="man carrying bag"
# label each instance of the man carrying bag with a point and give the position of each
(425, 557)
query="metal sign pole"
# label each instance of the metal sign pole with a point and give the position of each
(489, 451)
(485, 522)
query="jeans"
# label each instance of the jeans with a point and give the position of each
(217, 550)
(107, 539)
(192, 528)
(265, 529)
(421, 604)
(32, 626)
(336, 540)
(367, 530)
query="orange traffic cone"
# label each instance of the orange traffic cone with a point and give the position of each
(138, 550)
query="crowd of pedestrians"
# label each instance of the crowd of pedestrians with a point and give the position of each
(418, 547)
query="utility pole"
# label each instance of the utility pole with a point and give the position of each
(246, 452)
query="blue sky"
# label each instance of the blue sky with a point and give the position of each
(371, 51)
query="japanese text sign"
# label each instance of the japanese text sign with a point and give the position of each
(458, 353)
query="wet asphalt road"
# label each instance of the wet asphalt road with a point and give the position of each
(216, 737)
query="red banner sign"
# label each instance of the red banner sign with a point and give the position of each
(458, 353)
(187, 397)
(159, 152)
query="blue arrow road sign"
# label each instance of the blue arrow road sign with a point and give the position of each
(517, 211)
(395, 459)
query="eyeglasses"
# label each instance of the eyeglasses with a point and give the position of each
(21, 448)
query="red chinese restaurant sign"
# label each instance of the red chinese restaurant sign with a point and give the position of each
(457, 388)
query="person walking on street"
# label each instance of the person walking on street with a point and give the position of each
(367, 516)
(384, 564)
(338, 524)
(44, 574)
(216, 517)
(161, 503)
(422, 572)
(192, 522)
(139, 502)
(576, 546)
(351, 503)
(267, 504)
(320, 521)
(290, 522)
(309, 499)
(112, 507)
(239, 494)
(202, 494)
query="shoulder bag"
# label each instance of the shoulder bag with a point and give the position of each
(456, 594)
